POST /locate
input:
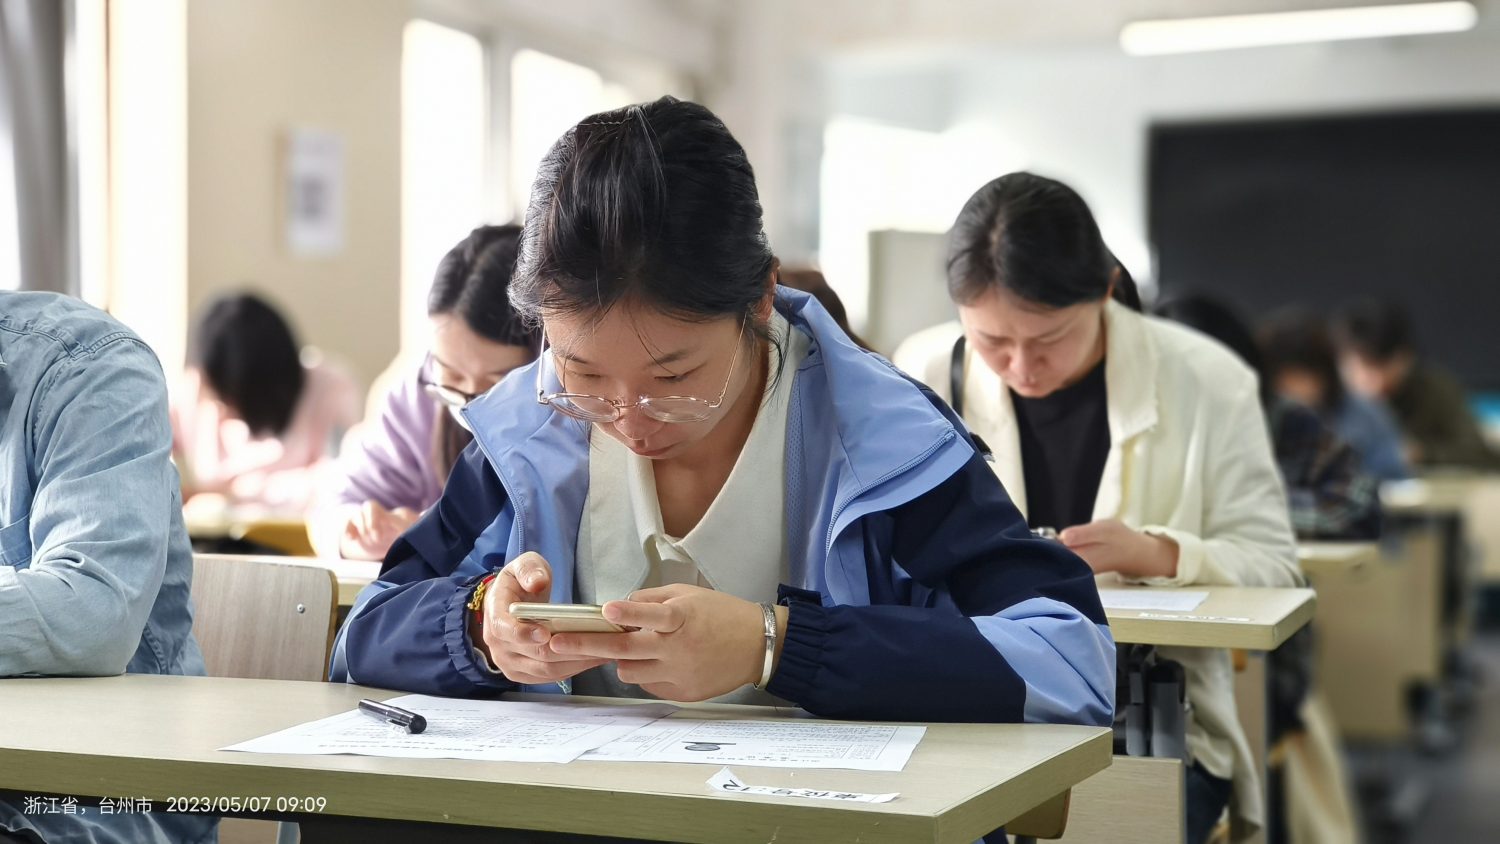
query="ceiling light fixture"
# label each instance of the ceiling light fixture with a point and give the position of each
(1230, 32)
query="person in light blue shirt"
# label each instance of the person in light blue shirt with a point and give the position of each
(95, 566)
(1300, 364)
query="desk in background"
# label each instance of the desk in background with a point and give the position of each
(1141, 799)
(963, 781)
(1232, 617)
(352, 575)
(1321, 559)
(276, 532)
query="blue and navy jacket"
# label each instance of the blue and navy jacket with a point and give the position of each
(917, 593)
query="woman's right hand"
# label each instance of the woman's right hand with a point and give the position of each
(372, 530)
(520, 649)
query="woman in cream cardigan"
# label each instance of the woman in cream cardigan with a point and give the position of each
(1140, 441)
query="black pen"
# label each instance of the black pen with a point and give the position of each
(411, 721)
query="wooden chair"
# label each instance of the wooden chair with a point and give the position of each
(260, 619)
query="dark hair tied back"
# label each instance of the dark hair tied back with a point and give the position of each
(471, 283)
(1036, 238)
(652, 204)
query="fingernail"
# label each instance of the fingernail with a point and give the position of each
(538, 635)
(611, 612)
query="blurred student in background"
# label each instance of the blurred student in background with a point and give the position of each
(393, 467)
(1378, 357)
(1299, 363)
(253, 421)
(1331, 497)
(1140, 441)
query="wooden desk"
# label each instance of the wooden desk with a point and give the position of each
(1245, 617)
(287, 534)
(1443, 501)
(1231, 617)
(1320, 559)
(1431, 495)
(156, 737)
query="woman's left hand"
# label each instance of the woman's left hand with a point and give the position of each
(1109, 545)
(690, 643)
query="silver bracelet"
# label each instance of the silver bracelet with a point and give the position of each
(765, 672)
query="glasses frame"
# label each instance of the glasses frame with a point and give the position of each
(442, 393)
(446, 395)
(642, 403)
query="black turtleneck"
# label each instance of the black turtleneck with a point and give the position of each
(1064, 443)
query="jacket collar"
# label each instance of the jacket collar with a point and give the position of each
(882, 421)
(1129, 372)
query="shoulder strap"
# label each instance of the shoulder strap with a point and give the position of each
(956, 377)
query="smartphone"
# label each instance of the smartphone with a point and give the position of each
(566, 618)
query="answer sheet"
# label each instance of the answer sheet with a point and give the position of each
(1175, 600)
(489, 730)
(768, 744)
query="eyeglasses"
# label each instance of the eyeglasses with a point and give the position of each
(451, 396)
(591, 408)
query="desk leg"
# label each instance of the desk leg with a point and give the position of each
(1252, 697)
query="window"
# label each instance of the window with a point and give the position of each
(10, 246)
(548, 95)
(444, 132)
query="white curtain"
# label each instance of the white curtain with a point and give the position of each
(35, 229)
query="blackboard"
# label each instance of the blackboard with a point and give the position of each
(1318, 210)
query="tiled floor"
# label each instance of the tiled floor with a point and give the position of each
(1465, 803)
(1464, 785)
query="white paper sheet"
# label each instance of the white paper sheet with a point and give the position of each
(490, 730)
(1175, 600)
(727, 782)
(770, 744)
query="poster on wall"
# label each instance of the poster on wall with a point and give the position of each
(314, 193)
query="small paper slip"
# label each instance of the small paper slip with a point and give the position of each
(489, 730)
(768, 744)
(1176, 600)
(726, 781)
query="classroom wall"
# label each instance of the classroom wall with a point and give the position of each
(257, 68)
(1079, 110)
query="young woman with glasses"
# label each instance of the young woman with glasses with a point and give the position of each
(394, 469)
(773, 513)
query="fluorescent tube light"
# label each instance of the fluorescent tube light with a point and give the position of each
(1229, 32)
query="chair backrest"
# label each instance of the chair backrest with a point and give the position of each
(263, 617)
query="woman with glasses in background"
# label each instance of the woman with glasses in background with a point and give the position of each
(394, 468)
(771, 512)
